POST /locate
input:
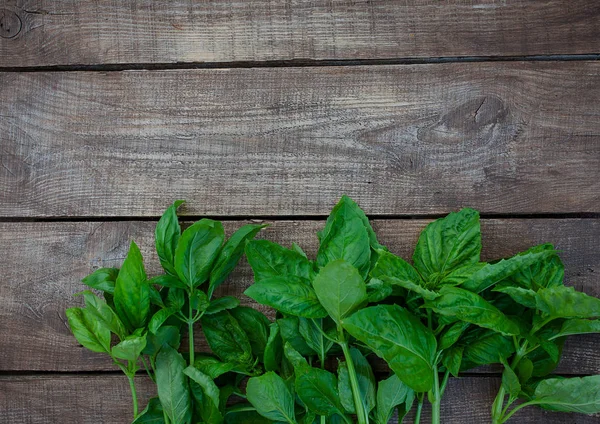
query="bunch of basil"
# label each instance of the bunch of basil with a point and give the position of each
(448, 313)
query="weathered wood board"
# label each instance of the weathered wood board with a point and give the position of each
(84, 32)
(105, 399)
(44, 262)
(507, 138)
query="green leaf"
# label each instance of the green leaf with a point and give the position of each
(256, 326)
(452, 334)
(102, 279)
(175, 298)
(566, 302)
(289, 294)
(212, 366)
(197, 250)
(390, 393)
(273, 349)
(470, 307)
(132, 292)
(578, 326)
(166, 335)
(452, 359)
(577, 394)
(172, 385)
(311, 331)
(318, 390)
(510, 381)
(159, 318)
(245, 417)
(199, 300)
(226, 338)
(204, 407)
(524, 370)
(366, 383)
(461, 274)
(400, 338)
(397, 272)
(340, 289)
(345, 237)
(167, 235)
(296, 248)
(491, 274)
(290, 332)
(155, 297)
(130, 349)
(484, 347)
(208, 386)
(448, 243)
(298, 362)
(549, 272)
(167, 280)
(103, 313)
(378, 290)
(269, 260)
(271, 397)
(88, 330)
(222, 304)
(230, 255)
(152, 414)
(525, 297)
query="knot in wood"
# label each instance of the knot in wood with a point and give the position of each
(10, 24)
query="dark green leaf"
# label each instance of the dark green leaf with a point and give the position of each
(452, 334)
(461, 274)
(345, 237)
(548, 272)
(510, 381)
(401, 339)
(197, 250)
(578, 326)
(484, 347)
(172, 385)
(159, 318)
(390, 393)
(199, 300)
(470, 307)
(577, 394)
(246, 417)
(256, 326)
(204, 407)
(221, 304)
(289, 294)
(448, 243)
(318, 390)
(566, 302)
(88, 330)
(312, 331)
(524, 370)
(397, 272)
(212, 366)
(452, 359)
(269, 260)
(167, 236)
(155, 296)
(271, 397)
(273, 349)
(230, 255)
(525, 297)
(208, 386)
(378, 290)
(298, 249)
(153, 414)
(100, 310)
(132, 292)
(102, 279)
(167, 280)
(366, 383)
(298, 362)
(175, 298)
(226, 338)
(290, 332)
(340, 289)
(166, 335)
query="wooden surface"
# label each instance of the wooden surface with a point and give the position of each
(83, 32)
(272, 109)
(501, 137)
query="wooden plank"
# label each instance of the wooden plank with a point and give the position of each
(43, 263)
(39, 33)
(502, 137)
(105, 399)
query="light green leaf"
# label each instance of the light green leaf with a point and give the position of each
(470, 307)
(577, 394)
(175, 298)
(510, 381)
(366, 383)
(167, 280)
(397, 272)
(400, 338)
(198, 248)
(578, 326)
(289, 294)
(298, 362)
(269, 260)
(222, 304)
(340, 289)
(167, 235)
(271, 397)
(461, 274)
(88, 330)
(525, 297)
(318, 390)
(390, 393)
(226, 338)
(549, 272)
(172, 385)
(159, 318)
(130, 349)
(448, 243)
(99, 309)
(566, 302)
(208, 386)
(296, 248)
(230, 255)
(132, 292)
(102, 279)
(378, 290)
(345, 237)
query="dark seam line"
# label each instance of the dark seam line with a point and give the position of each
(300, 63)
(584, 215)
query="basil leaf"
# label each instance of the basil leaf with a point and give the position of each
(470, 307)
(289, 294)
(256, 326)
(318, 390)
(197, 250)
(298, 362)
(510, 381)
(89, 331)
(271, 397)
(130, 349)
(208, 386)
(378, 290)
(549, 272)
(175, 298)
(340, 289)
(452, 334)
(447, 244)
(269, 260)
(524, 370)
(102, 279)
(230, 255)
(167, 235)
(172, 385)
(222, 304)
(159, 318)
(100, 310)
(273, 349)
(577, 394)
(152, 414)
(566, 302)
(167, 280)
(390, 393)
(461, 274)
(484, 347)
(366, 383)
(345, 237)
(166, 335)
(525, 297)
(311, 331)
(290, 332)
(132, 292)
(400, 338)
(452, 359)
(212, 367)
(578, 326)
(246, 417)
(397, 272)
(226, 338)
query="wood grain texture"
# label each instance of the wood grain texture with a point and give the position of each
(44, 262)
(71, 399)
(501, 137)
(76, 32)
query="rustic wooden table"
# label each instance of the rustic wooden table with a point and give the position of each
(270, 110)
